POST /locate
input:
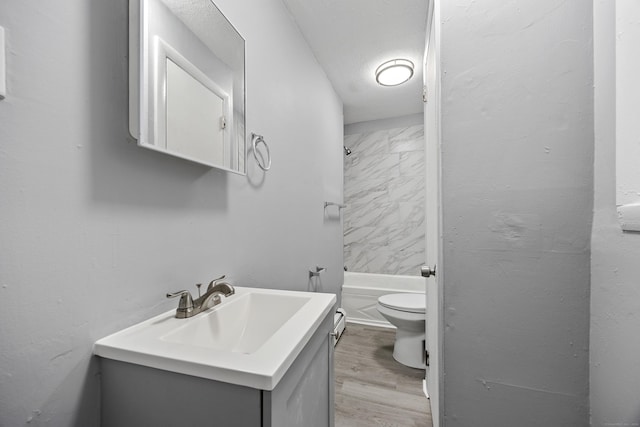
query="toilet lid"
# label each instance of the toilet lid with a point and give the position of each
(413, 303)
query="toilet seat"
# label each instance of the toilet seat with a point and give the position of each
(411, 303)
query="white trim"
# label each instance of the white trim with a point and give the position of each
(3, 67)
(371, 322)
(434, 373)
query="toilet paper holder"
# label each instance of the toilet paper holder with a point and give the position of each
(317, 272)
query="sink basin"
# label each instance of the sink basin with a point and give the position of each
(240, 325)
(250, 339)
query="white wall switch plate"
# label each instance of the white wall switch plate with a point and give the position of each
(3, 74)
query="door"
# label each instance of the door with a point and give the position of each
(433, 214)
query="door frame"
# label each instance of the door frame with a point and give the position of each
(433, 190)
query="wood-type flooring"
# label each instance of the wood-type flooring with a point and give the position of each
(372, 389)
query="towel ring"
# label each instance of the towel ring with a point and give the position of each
(255, 140)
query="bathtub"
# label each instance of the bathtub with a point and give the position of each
(360, 293)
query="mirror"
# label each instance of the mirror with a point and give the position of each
(627, 100)
(186, 82)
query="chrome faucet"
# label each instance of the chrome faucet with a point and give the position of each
(188, 307)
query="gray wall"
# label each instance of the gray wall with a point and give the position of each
(615, 293)
(384, 179)
(517, 165)
(95, 230)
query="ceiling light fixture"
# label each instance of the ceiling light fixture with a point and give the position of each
(394, 72)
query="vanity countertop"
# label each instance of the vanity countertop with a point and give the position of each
(250, 339)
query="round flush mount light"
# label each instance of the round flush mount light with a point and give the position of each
(394, 72)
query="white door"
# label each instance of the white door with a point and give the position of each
(432, 270)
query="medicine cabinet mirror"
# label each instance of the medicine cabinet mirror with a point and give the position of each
(627, 37)
(187, 82)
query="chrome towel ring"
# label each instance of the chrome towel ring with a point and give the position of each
(255, 140)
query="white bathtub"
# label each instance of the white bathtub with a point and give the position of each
(361, 291)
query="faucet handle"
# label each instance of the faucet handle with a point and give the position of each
(186, 301)
(215, 282)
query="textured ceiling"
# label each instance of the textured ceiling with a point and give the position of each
(351, 38)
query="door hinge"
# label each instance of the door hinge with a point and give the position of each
(223, 122)
(424, 94)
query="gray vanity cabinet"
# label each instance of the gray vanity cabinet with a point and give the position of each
(135, 396)
(305, 395)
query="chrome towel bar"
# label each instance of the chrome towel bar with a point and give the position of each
(339, 205)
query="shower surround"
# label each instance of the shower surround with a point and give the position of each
(384, 189)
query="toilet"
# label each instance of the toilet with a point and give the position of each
(407, 313)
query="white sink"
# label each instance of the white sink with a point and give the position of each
(250, 339)
(240, 325)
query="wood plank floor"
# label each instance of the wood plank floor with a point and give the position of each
(372, 389)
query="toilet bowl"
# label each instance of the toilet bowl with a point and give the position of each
(407, 313)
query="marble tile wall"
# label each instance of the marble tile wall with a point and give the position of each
(384, 189)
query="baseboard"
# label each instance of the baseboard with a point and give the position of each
(375, 323)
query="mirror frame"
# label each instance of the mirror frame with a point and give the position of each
(143, 110)
(627, 104)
